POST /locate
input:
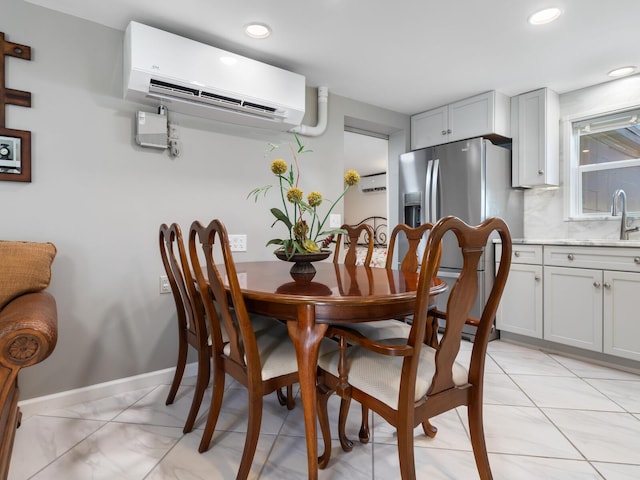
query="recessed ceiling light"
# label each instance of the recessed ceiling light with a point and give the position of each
(229, 60)
(257, 30)
(545, 16)
(622, 71)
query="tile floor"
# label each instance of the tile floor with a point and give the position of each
(546, 417)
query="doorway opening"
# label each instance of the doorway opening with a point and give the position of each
(368, 153)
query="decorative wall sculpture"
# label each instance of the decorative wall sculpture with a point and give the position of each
(15, 145)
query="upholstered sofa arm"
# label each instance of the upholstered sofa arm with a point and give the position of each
(28, 330)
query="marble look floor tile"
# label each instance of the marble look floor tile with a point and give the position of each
(530, 362)
(115, 452)
(220, 462)
(585, 369)
(288, 460)
(40, 440)
(152, 410)
(520, 467)
(430, 464)
(624, 392)
(451, 434)
(233, 414)
(294, 423)
(600, 436)
(499, 389)
(103, 409)
(616, 471)
(522, 431)
(506, 346)
(563, 392)
(464, 358)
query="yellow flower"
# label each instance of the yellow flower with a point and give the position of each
(314, 199)
(351, 177)
(279, 166)
(294, 195)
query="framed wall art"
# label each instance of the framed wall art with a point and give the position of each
(15, 155)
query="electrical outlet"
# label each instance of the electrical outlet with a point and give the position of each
(335, 220)
(165, 286)
(238, 243)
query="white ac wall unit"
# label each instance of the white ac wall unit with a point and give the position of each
(373, 183)
(197, 79)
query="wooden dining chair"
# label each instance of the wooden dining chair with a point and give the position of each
(356, 236)
(263, 361)
(192, 327)
(388, 329)
(407, 382)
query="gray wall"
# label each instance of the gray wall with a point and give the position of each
(100, 198)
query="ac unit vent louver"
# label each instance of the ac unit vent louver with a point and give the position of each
(180, 72)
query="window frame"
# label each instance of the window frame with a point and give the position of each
(573, 170)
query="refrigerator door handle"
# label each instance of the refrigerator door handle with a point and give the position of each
(427, 192)
(434, 190)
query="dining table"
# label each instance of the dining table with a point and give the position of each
(331, 294)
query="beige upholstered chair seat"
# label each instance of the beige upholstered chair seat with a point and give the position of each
(379, 376)
(277, 353)
(382, 330)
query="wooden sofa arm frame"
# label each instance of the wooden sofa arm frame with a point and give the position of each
(28, 335)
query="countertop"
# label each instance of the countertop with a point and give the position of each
(576, 242)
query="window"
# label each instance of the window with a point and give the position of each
(605, 156)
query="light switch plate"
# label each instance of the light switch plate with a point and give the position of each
(335, 220)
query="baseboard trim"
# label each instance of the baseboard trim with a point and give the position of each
(37, 405)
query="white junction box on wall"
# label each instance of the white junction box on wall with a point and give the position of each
(151, 130)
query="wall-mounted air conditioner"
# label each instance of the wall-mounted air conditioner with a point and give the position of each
(373, 183)
(197, 79)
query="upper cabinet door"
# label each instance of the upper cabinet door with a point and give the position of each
(429, 128)
(484, 114)
(471, 117)
(535, 127)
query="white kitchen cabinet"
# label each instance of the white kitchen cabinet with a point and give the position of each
(535, 128)
(573, 307)
(621, 334)
(591, 297)
(520, 309)
(429, 128)
(484, 114)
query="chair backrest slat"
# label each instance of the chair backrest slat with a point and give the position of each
(356, 235)
(188, 302)
(231, 307)
(472, 241)
(410, 261)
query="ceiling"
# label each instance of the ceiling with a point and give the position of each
(408, 55)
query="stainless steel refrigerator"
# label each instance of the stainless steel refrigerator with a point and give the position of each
(470, 179)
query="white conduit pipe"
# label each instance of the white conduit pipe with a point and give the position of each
(323, 107)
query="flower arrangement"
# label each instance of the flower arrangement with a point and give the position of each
(300, 216)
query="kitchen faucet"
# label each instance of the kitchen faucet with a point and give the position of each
(624, 227)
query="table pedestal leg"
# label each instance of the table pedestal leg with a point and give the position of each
(306, 336)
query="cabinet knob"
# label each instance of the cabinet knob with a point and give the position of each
(516, 253)
(444, 132)
(637, 260)
(540, 172)
(570, 256)
(596, 284)
(448, 130)
(536, 278)
(607, 285)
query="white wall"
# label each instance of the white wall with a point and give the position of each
(545, 210)
(101, 198)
